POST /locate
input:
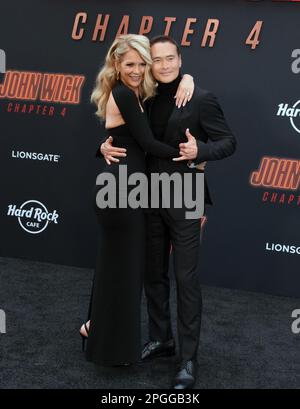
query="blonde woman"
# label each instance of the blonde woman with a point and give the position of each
(122, 86)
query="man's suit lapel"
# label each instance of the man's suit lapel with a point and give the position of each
(174, 120)
(148, 107)
(173, 123)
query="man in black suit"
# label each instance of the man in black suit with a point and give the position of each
(209, 138)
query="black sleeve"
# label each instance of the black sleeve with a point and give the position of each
(221, 143)
(138, 124)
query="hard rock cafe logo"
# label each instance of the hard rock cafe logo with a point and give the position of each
(281, 174)
(291, 112)
(33, 216)
(37, 89)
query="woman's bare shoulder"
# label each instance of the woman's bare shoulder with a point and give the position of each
(111, 104)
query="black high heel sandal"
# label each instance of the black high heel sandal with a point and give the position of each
(83, 337)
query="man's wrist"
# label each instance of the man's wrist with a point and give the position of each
(203, 152)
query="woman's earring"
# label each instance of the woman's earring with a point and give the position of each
(118, 75)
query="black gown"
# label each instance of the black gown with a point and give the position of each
(114, 335)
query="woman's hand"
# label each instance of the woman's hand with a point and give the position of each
(185, 90)
(111, 152)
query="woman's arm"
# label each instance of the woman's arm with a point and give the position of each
(185, 90)
(138, 124)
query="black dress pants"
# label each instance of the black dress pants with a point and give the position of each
(184, 236)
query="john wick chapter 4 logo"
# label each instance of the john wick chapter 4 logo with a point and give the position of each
(159, 190)
(281, 174)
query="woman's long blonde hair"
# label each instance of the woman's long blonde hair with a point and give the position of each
(107, 77)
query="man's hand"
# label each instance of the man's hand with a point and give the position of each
(110, 152)
(189, 149)
(185, 90)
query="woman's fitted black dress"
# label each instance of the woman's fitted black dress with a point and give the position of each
(114, 336)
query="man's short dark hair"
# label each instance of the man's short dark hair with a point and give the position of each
(165, 39)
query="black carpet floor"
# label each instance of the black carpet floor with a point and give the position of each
(246, 338)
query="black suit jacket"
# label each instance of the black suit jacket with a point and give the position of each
(205, 119)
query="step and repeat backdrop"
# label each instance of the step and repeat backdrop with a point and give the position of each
(246, 52)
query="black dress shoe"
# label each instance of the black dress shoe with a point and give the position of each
(186, 376)
(155, 349)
